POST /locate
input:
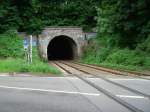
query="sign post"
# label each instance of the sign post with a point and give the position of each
(26, 45)
(30, 49)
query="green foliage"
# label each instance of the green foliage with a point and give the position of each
(123, 27)
(126, 23)
(121, 67)
(69, 13)
(117, 58)
(33, 15)
(123, 39)
(19, 65)
(9, 18)
(144, 46)
(125, 57)
(95, 53)
(147, 62)
(11, 45)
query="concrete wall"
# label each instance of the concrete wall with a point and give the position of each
(76, 34)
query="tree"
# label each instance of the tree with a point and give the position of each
(125, 22)
(9, 18)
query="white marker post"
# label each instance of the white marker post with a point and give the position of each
(30, 51)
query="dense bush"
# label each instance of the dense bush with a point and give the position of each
(123, 34)
(117, 58)
(11, 45)
(126, 57)
(144, 46)
(9, 17)
(147, 62)
(32, 15)
(94, 53)
(125, 22)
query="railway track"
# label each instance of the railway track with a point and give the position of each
(109, 81)
(81, 73)
(116, 72)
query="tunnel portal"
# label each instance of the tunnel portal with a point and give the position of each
(62, 48)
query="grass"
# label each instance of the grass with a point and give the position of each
(116, 58)
(117, 66)
(20, 65)
(12, 57)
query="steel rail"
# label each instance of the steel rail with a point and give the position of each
(107, 93)
(116, 72)
(115, 83)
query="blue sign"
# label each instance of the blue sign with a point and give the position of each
(26, 43)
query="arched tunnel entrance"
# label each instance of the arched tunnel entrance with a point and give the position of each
(62, 48)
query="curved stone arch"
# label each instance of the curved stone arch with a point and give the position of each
(66, 35)
(48, 34)
(50, 38)
(72, 43)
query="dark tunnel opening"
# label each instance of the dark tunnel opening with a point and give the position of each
(61, 48)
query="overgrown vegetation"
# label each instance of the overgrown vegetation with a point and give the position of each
(20, 66)
(123, 39)
(124, 23)
(118, 58)
(13, 59)
(123, 27)
(11, 45)
(33, 15)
